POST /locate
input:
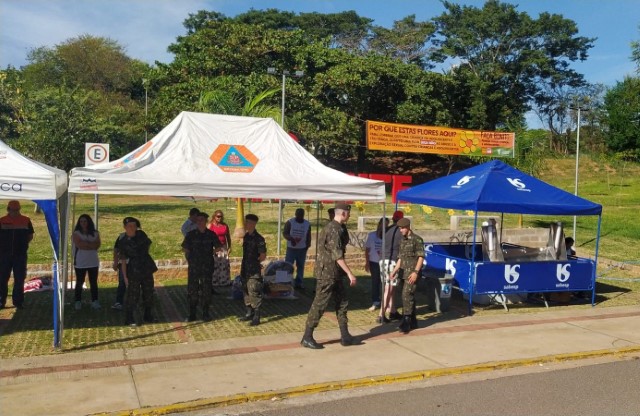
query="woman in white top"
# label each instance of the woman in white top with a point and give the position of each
(373, 254)
(86, 242)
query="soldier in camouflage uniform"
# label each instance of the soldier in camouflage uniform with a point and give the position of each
(138, 268)
(199, 246)
(409, 268)
(254, 251)
(330, 268)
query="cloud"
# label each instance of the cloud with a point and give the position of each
(145, 28)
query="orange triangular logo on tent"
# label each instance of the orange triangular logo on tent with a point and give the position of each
(234, 158)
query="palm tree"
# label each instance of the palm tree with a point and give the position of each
(223, 102)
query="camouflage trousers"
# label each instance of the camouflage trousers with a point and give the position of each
(253, 288)
(409, 297)
(199, 285)
(326, 289)
(139, 285)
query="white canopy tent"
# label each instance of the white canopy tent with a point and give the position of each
(209, 155)
(27, 179)
(24, 179)
(213, 156)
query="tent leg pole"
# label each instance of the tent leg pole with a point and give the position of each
(279, 225)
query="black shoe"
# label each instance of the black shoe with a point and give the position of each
(255, 321)
(308, 341)
(348, 340)
(345, 342)
(405, 326)
(148, 316)
(311, 343)
(247, 316)
(413, 323)
(395, 316)
(382, 320)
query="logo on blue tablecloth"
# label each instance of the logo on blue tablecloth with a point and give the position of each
(511, 275)
(563, 274)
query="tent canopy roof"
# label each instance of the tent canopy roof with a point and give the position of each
(23, 178)
(210, 155)
(497, 187)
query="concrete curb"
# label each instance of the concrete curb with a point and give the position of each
(222, 401)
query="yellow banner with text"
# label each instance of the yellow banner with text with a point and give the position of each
(438, 140)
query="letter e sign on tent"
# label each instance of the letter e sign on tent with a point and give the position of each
(95, 153)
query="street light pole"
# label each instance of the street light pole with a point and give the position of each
(298, 74)
(284, 78)
(272, 70)
(577, 164)
(146, 105)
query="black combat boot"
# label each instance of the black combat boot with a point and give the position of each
(414, 321)
(255, 321)
(405, 325)
(192, 314)
(128, 318)
(148, 316)
(346, 338)
(247, 316)
(308, 341)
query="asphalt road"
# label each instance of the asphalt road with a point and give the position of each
(586, 387)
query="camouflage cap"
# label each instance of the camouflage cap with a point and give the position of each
(343, 206)
(404, 222)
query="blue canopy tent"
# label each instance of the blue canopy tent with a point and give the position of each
(495, 186)
(24, 179)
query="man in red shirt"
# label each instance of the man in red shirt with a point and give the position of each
(16, 232)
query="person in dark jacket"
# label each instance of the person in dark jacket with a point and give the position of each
(138, 268)
(16, 232)
(254, 251)
(199, 248)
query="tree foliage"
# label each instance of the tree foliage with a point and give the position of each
(507, 56)
(407, 41)
(12, 111)
(88, 62)
(85, 89)
(635, 54)
(344, 29)
(622, 105)
(88, 89)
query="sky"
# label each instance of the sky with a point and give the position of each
(145, 28)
